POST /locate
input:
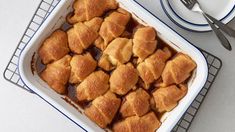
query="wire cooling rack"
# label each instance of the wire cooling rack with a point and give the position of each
(11, 72)
(45, 7)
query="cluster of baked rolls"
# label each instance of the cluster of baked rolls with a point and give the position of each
(131, 80)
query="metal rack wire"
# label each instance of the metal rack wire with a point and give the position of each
(45, 7)
(11, 72)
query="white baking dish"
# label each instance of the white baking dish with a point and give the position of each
(57, 18)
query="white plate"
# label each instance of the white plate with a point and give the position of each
(55, 20)
(223, 10)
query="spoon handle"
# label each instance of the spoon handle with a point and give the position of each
(224, 41)
(222, 26)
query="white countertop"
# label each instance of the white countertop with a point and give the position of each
(24, 112)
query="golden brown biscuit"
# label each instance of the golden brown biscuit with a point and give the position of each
(151, 69)
(146, 123)
(57, 74)
(167, 98)
(85, 10)
(81, 67)
(178, 69)
(118, 52)
(112, 27)
(54, 47)
(82, 35)
(93, 86)
(103, 109)
(123, 79)
(94, 23)
(136, 103)
(144, 42)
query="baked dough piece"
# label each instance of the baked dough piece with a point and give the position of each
(144, 42)
(146, 123)
(118, 52)
(151, 69)
(94, 85)
(123, 79)
(54, 47)
(85, 10)
(136, 103)
(94, 23)
(178, 69)
(167, 98)
(81, 67)
(103, 109)
(82, 35)
(112, 27)
(57, 74)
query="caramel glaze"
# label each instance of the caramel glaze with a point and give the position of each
(33, 67)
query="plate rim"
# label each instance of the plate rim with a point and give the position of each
(198, 27)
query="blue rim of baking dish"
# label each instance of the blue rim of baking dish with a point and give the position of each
(194, 24)
(60, 110)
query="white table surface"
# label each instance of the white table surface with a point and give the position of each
(24, 112)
